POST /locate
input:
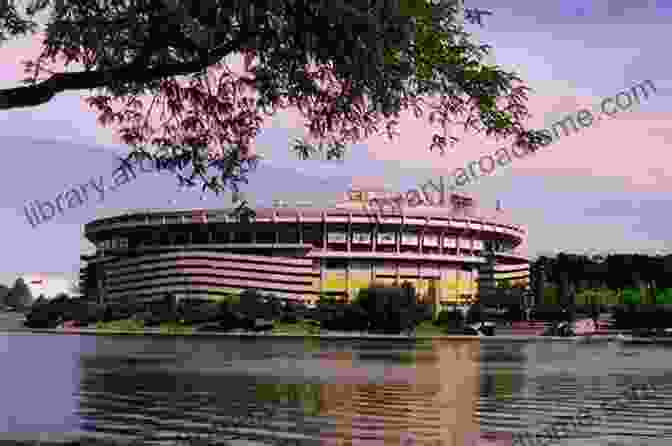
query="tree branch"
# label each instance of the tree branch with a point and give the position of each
(43, 92)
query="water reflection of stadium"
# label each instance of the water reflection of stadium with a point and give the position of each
(387, 392)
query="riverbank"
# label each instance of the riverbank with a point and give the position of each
(326, 335)
(11, 323)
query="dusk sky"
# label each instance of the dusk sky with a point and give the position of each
(603, 189)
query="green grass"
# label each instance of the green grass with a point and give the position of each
(174, 328)
(126, 325)
(135, 326)
(299, 328)
(426, 328)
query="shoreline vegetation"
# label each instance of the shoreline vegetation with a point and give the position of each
(379, 311)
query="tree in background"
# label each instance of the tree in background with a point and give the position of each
(20, 296)
(254, 305)
(165, 75)
(635, 285)
(450, 319)
(4, 293)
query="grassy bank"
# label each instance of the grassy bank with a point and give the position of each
(300, 328)
(135, 326)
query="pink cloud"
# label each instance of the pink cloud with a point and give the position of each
(625, 146)
(12, 54)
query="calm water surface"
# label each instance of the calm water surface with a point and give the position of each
(328, 392)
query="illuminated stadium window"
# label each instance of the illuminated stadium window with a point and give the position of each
(478, 246)
(361, 237)
(410, 240)
(450, 244)
(337, 237)
(386, 238)
(430, 243)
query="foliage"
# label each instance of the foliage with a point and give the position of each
(427, 328)
(199, 312)
(475, 314)
(390, 309)
(173, 328)
(642, 316)
(19, 296)
(116, 311)
(4, 293)
(452, 318)
(251, 303)
(167, 77)
(425, 312)
(550, 313)
(45, 314)
(615, 272)
(601, 296)
(304, 327)
(344, 316)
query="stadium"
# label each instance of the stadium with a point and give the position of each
(451, 253)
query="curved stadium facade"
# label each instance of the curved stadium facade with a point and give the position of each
(301, 253)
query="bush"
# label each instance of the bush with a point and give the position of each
(389, 309)
(252, 305)
(343, 317)
(289, 317)
(450, 318)
(200, 313)
(48, 314)
(425, 312)
(627, 317)
(514, 313)
(550, 313)
(42, 318)
(475, 314)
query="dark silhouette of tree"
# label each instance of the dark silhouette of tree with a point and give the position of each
(4, 293)
(604, 279)
(390, 309)
(20, 296)
(164, 76)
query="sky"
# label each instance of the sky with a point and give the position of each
(601, 190)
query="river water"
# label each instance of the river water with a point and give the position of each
(283, 390)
